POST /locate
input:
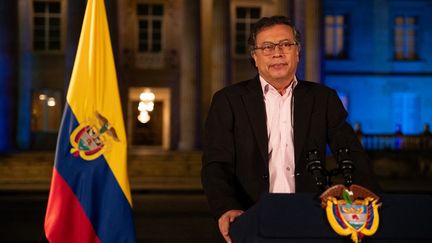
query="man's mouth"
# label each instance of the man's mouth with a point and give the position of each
(277, 65)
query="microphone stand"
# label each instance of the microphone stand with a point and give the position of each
(323, 177)
(319, 173)
(345, 165)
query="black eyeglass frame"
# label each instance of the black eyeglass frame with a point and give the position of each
(269, 48)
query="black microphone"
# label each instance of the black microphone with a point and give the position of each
(345, 165)
(315, 167)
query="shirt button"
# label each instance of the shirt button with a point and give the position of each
(265, 177)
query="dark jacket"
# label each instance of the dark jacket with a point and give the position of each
(235, 157)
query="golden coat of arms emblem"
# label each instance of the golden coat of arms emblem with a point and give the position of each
(351, 211)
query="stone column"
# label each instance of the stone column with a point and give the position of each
(314, 40)
(308, 19)
(283, 7)
(299, 21)
(188, 74)
(206, 45)
(24, 74)
(220, 51)
(215, 52)
(8, 71)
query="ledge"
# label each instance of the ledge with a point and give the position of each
(149, 171)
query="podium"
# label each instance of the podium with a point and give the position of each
(299, 218)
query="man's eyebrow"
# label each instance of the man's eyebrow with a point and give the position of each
(270, 42)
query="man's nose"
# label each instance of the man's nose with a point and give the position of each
(278, 50)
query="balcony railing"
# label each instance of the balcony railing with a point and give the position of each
(396, 142)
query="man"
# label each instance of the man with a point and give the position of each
(258, 131)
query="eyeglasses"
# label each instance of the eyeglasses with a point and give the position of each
(269, 48)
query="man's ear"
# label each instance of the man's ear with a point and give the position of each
(298, 53)
(253, 58)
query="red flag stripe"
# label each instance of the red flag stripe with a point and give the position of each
(76, 227)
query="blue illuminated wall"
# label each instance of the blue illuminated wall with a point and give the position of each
(379, 104)
(8, 73)
(381, 92)
(5, 102)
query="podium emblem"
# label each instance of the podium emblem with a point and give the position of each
(352, 211)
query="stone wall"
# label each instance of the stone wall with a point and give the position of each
(147, 171)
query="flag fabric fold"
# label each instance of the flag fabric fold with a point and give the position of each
(90, 199)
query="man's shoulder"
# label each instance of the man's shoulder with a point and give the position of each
(241, 87)
(313, 86)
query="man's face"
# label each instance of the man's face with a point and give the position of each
(280, 66)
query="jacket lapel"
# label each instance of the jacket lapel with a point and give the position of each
(254, 104)
(302, 112)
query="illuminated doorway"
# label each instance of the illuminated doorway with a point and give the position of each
(152, 133)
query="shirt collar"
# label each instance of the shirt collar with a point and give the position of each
(266, 86)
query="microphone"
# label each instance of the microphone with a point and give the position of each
(345, 165)
(315, 168)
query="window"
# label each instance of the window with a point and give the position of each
(405, 29)
(246, 17)
(46, 25)
(150, 18)
(336, 37)
(406, 112)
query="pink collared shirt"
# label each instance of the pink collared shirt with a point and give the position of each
(280, 110)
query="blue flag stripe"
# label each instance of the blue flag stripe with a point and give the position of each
(95, 187)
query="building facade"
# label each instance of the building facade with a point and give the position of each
(182, 51)
(377, 55)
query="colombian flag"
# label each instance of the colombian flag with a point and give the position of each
(89, 199)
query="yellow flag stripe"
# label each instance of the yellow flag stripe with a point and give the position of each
(93, 87)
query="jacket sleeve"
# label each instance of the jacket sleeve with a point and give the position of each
(218, 168)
